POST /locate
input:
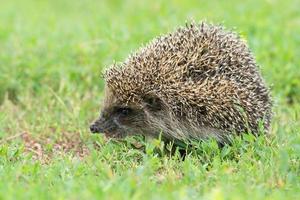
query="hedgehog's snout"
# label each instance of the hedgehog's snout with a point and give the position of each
(99, 126)
(104, 124)
(95, 129)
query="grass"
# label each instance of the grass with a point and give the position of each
(51, 56)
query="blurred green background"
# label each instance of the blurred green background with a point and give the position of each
(51, 56)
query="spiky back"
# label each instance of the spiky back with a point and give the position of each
(202, 72)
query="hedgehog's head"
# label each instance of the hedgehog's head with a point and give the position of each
(119, 118)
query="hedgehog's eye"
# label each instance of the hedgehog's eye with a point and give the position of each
(124, 111)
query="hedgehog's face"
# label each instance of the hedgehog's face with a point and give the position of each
(118, 120)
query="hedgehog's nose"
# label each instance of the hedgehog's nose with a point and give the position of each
(95, 129)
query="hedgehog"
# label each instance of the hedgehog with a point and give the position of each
(200, 81)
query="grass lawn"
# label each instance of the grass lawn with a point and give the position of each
(51, 56)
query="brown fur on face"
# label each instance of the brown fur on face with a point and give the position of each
(118, 119)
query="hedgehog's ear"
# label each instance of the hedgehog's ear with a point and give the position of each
(152, 102)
